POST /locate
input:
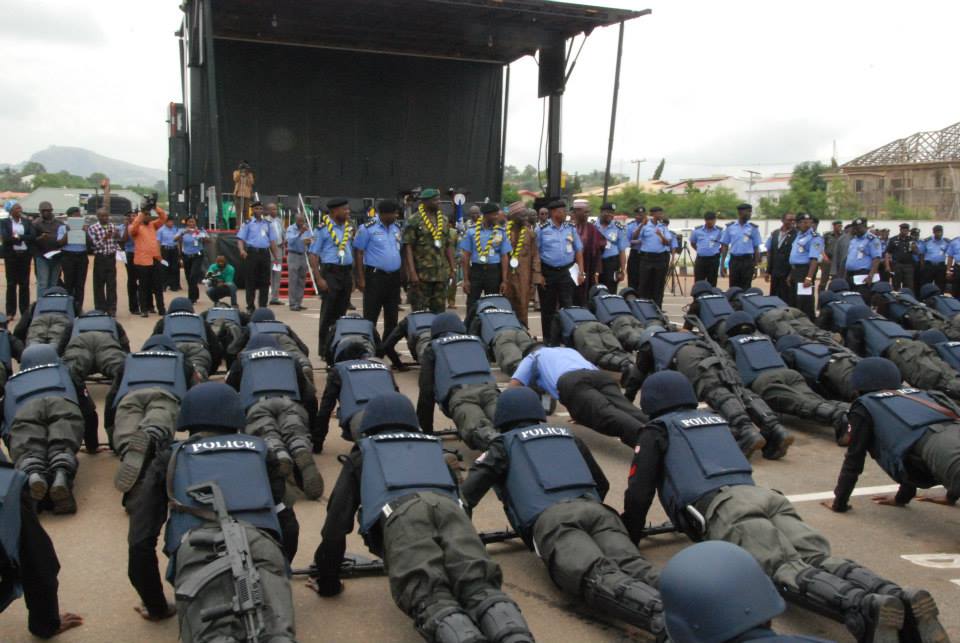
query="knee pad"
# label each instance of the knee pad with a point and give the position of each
(829, 590)
(501, 621)
(609, 589)
(866, 579)
(450, 625)
(66, 461)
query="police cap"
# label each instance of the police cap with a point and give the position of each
(932, 337)
(875, 374)
(826, 297)
(904, 226)
(697, 602)
(608, 206)
(390, 410)
(211, 405)
(639, 210)
(666, 391)
(489, 208)
(929, 290)
(180, 305)
(556, 203)
(740, 323)
(55, 290)
(804, 216)
(839, 284)
(744, 206)
(517, 405)
(388, 206)
(262, 315)
(337, 202)
(352, 347)
(752, 291)
(710, 216)
(656, 208)
(881, 287)
(446, 323)
(859, 221)
(938, 228)
(38, 355)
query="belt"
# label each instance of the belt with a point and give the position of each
(294, 252)
(258, 249)
(716, 256)
(168, 247)
(735, 257)
(336, 267)
(495, 264)
(395, 504)
(546, 266)
(380, 271)
(655, 255)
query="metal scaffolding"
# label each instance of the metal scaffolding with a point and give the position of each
(922, 147)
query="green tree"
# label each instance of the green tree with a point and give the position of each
(659, 171)
(32, 167)
(808, 193)
(510, 194)
(96, 178)
(60, 180)
(842, 202)
(896, 210)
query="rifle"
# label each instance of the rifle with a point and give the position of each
(352, 566)
(490, 537)
(233, 555)
(729, 374)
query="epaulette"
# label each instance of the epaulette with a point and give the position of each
(619, 225)
(370, 223)
(752, 223)
(700, 227)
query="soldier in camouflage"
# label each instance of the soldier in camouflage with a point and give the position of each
(428, 252)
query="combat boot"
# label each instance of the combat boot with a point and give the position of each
(501, 622)
(921, 624)
(749, 440)
(778, 441)
(312, 480)
(38, 486)
(630, 381)
(139, 449)
(615, 593)
(452, 625)
(35, 469)
(64, 466)
(871, 618)
(279, 450)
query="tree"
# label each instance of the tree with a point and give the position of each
(96, 178)
(808, 193)
(843, 203)
(32, 167)
(896, 210)
(510, 194)
(659, 171)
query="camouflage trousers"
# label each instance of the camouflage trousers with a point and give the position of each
(429, 295)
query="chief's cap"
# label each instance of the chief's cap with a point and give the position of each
(337, 202)
(639, 210)
(804, 216)
(612, 207)
(428, 193)
(489, 208)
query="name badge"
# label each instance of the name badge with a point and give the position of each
(746, 238)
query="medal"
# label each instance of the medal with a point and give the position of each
(341, 254)
(437, 244)
(483, 258)
(514, 263)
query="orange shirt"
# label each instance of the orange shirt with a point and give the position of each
(146, 248)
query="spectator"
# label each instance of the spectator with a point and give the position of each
(74, 263)
(220, 281)
(191, 240)
(50, 236)
(133, 284)
(105, 236)
(170, 252)
(17, 233)
(146, 259)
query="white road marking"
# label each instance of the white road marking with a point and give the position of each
(828, 495)
(955, 581)
(934, 561)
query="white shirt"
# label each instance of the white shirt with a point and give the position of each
(17, 227)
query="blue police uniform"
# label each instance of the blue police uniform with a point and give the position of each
(166, 236)
(295, 239)
(381, 271)
(654, 261)
(485, 270)
(806, 246)
(558, 246)
(617, 242)
(257, 235)
(328, 249)
(633, 261)
(192, 243)
(335, 267)
(742, 242)
(934, 261)
(706, 241)
(544, 368)
(860, 255)
(73, 265)
(380, 245)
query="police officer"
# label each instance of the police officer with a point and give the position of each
(140, 415)
(614, 258)
(74, 263)
(167, 238)
(45, 414)
(953, 275)
(428, 253)
(411, 515)
(10, 348)
(298, 236)
(720, 501)
(485, 251)
(257, 241)
(633, 239)
(835, 303)
(552, 491)
(949, 351)
(699, 607)
(252, 487)
(264, 321)
(28, 561)
(825, 367)
(913, 435)
(905, 309)
(193, 337)
(655, 249)
(227, 324)
(705, 241)
(863, 257)
(331, 259)
(779, 245)
(415, 328)
(933, 257)
(944, 303)
(378, 250)
(49, 318)
(356, 331)
(579, 329)
(615, 311)
(831, 241)
(97, 344)
(506, 338)
(560, 247)
(741, 240)
(805, 255)
(870, 335)
(718, 384)
(592, 398)
(898, 258)
(280, 406)
(645, 310)
(775, 318)
(455, 373)
(709, 305)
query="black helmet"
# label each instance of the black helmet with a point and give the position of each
(518, 405)
(94, 313)
(161, 342)
(446, 323)
(875, 374)
(790, 341)
(929, 290)
(388, 411)
(38, 355)
(752, 291)
(628, 292)
(733, 293)
(666, 391)
(352, 347)
(839, 285)
(826, 297)
(701, 288)
(180, 305)
(263, 314)
(881, 288)
(596, 290)
(262, 340)
(738, 324)
(858, 312)
(211, 405)
(932, 336)
(698, 605)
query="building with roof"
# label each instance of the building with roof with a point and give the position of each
(737, 185)
(647, 186)
(63, 198)
(920, 172)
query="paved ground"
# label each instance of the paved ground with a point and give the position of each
(92, 544)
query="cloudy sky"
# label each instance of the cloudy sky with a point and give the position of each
(715, 87)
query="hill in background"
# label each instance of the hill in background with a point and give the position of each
(83, 162)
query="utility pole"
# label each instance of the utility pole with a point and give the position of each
(638, 162)
(753, 176)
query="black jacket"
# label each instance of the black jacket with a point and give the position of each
(778, 257)
(6, 231)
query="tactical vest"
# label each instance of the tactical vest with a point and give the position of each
(95, 324)
(701, 457)
(396, 465)
(545, 467)
(361, 380)
(270, 327)
(756, 305)
(755, 354)
(838, 311)
(570, 318)
(713, 309)
(185, 327)
(946, 306)
(238, 464)
(228, 314)
(58, 304)
(417, 323)
(645, 310)
(11, 487)
(665, 346)
(46, 380)
(153, 369)
(609, 307)
(493, 320)
(493, 301)
(6, 352)
(898, 422)
(950, 353)
(267, 372)
(851, 297)
(347, 326)
(460, 360)
(879, 334)
(810, 359)
(899, 304)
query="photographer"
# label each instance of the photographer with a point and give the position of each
(219, 281)
(147, 257)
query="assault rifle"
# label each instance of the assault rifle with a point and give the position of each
(490, 537)
(233, 555)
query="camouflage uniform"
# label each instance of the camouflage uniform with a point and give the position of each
(430, 263)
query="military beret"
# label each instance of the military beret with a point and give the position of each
(656, 208)
(609, 206)
(428, 193)
(489, 208)
(556, 203)
(744, 206)
(388, 206)
(337, 202)
(904, 225)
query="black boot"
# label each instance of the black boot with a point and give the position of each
(64, 466)
(778, 441)
(871, 618)
(500, 621)
(617, 594)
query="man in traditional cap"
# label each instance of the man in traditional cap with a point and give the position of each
(486, 252)
(331, 258)
(428, 253)
(593, 244)
(524, 263)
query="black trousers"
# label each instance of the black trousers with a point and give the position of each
(803, 302)
(653, 275)
(608, 273)
(936, 273)
(335, 301)
(633, 269)
(150, 279)
(172, 269)
(105, 283)
(556, 292)
(903, 274)
(741, 271)
(706, 269)
(133, 285)
(258, 266)
(779, 287)
(17, 266)
(193, 272)
(74, 271)
(595, 401)
(381, 292)
(484, 280)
